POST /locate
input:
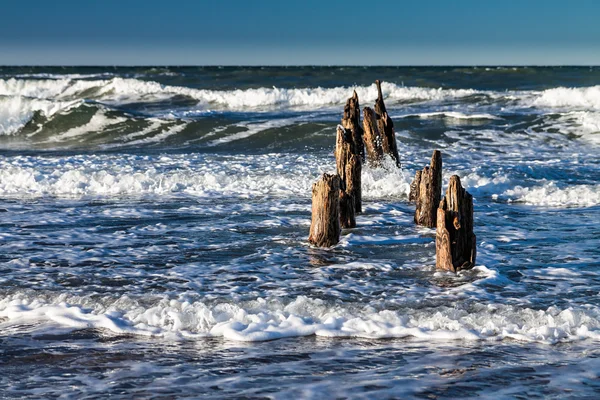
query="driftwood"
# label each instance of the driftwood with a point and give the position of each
(426, 191)
(455, 243)
(325, 221)
(386, 127)
(351, 121)
(372, 137)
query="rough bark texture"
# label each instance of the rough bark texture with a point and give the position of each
(386, 127)
(353, 181)
(372, 137)
(348, 166)
(455, 242)
(325, 222)
(428, 191)
(351, 121)
(347, 214)
(415, 187)
(344, 149)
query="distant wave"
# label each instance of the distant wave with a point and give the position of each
(22, 99)
(449, 115)
(16, 111)
(128, 89)
(562, 97)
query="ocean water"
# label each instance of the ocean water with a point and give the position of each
(154, 223)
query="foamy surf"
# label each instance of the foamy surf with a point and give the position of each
(550, 194)
(155, 220)
(269, 319)
(204, 176)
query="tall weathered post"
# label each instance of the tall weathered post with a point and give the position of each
(325, 219)
(372, 137)
(345, 154)
(386, 127)
(455, 242)
(351, 120)
(426, 191)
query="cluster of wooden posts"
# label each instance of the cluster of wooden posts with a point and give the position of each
(336, 198)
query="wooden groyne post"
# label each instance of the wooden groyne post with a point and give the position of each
(372, 139)
(379, 135)
(351, 121)
(348, 169)
(455, 242)
(426, 191)
(386, 127)
(325, 221)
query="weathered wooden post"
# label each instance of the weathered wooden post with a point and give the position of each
(351, 120)
(455, 243)
(349, 167)
(372, 139)
(353, 181)
(344, 151)
(347, 211)
(386, 127)
(426, 191)
(415, 187)
(325, 221)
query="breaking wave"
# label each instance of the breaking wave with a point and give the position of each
(268, 319)
(554, 196)
(106, 175)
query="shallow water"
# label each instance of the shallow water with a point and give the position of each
(154, 235)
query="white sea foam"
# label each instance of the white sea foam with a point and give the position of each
(477, 183)
(552, 195)
(159, 137)
(80, 181)
(449, 115)
(562, 97)
(268, 319)
(585, 124)
(106, 175)
(387, 181)
(16, 111)
(98, 123)
(125, 89)
(252, 128)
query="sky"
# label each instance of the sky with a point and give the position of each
(308, 32)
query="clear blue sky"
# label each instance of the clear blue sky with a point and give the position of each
(289, 32)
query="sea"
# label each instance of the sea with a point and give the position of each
(154, 235)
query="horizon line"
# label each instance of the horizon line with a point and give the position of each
(297, 65)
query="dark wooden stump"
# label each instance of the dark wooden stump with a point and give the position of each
(354, 182)
(415, 187)
(426, 190)
(351, 121)
(348, 168)
(455, 243)
(386, 127)
(347, 212)
(344, 149)
(372, 137)
(325, 221)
